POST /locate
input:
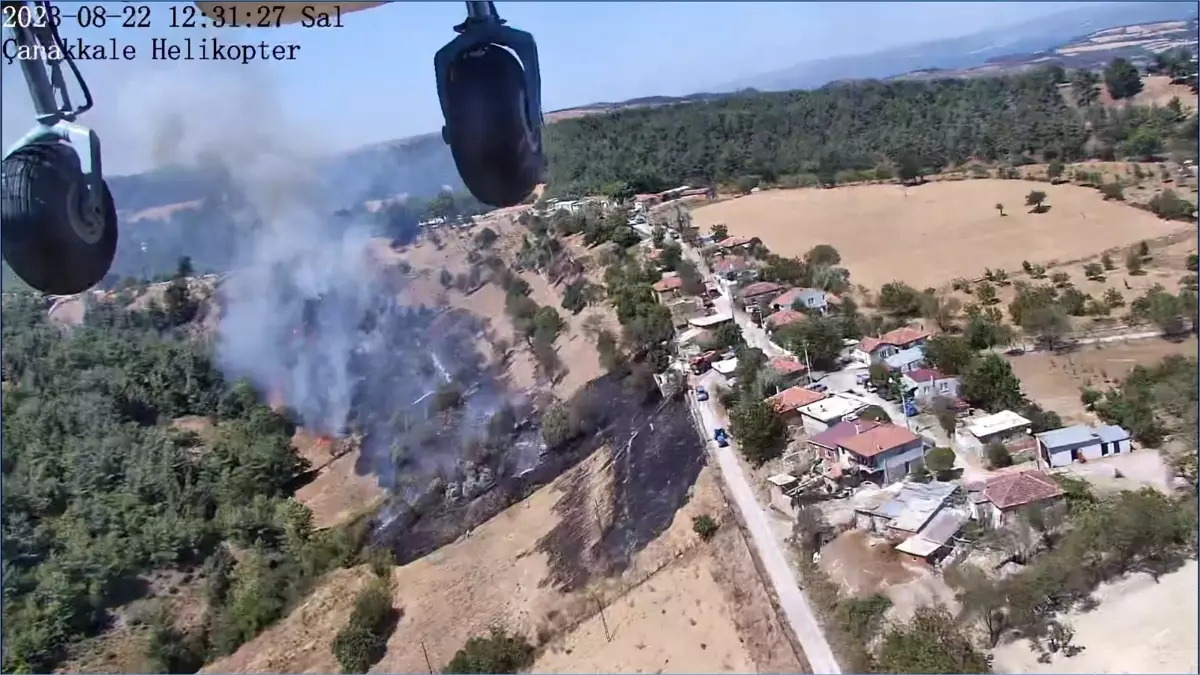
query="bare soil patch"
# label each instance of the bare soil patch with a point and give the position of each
(1054, 380)
(862, 565)
(930, 234)
(1139, 627)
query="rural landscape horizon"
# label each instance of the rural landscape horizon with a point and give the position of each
(875, 362)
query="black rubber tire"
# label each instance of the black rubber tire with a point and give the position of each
(36, 237)
(494, 149)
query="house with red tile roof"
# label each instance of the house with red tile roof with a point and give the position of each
(734, 268)
(788, 370)
(668, 288)
(874, 350)
(759, 293)
(735, 242)
(782, 318)
(826, 443)
(884, 453)
(998, 501)
(789, 400)
(923, 384)
(808, 299)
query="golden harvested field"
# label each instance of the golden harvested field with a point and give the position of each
(682, 606)
(1054, 380)
(930, 234)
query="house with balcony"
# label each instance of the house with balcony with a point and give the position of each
(874, 350)
(735, 268)
(883, 453)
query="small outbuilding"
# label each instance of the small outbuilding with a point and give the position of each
(1080, 443)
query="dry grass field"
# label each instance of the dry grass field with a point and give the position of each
(682, 606)
(933, 233)
(1166, 267)
(1139, 626)
(1054, 380)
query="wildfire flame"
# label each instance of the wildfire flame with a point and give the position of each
(276, 399)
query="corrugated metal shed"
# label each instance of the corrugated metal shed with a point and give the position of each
(1078, 434)
(912, 507)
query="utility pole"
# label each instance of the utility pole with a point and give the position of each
(904, 409)
(426, 653)
(603, 621)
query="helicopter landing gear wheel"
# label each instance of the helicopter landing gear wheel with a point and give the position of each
(48, 237)
(493, 145)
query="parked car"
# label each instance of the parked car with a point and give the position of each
(817, 386)
(701, 394)
(721, 437)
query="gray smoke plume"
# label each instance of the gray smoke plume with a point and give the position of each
(306, 315)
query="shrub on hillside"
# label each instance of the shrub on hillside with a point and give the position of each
(499, 652)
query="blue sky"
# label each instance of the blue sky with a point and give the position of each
(373, 80)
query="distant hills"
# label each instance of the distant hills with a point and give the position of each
(970, 51)
(1137, 42)
(161, 208)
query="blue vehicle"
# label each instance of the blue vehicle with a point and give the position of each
(701, 394)
(816, 386)
(721, 437)
(910, 409)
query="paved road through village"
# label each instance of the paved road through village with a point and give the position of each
(779, 570)
(791, 600)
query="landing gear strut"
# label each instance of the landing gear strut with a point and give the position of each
(491, 101)
(59, 224)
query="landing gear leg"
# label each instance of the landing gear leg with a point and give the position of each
(58, 224)
(491, 101)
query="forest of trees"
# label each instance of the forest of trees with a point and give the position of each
(911, 126)
(101, 491)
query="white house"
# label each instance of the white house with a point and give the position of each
(1005, 427)
(819, 416)
(810, 299)
(875, 349)
(1081, 442)
(923, 384)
